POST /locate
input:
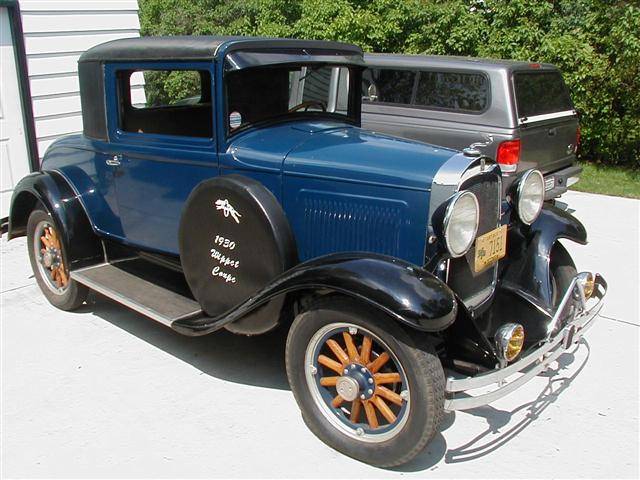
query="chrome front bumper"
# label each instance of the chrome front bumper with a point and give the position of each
(501, 382)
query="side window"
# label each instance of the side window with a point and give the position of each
(388, 86)
(166, 102)
(452, 91)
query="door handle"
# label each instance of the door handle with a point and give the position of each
(552, 132)
(115, 161)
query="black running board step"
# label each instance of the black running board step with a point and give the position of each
(143, 296)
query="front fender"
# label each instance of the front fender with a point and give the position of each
(50, 189)
(528, 273)
(407, 293)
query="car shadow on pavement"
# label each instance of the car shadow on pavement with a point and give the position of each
(257, 360)
(499, 431)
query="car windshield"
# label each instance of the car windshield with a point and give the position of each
(268, 93)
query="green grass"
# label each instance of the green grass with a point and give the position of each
(608, 180)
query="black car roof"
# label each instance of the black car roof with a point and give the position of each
(240, 53)
(198, 47)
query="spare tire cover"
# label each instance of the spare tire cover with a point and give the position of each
(234, 239)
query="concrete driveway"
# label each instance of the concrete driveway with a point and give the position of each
(104, 392)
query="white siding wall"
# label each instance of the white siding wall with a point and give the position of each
(55, 35)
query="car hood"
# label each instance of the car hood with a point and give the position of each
(341, 152)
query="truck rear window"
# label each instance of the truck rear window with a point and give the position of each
(540, 93)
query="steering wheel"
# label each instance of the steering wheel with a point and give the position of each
(307, 104)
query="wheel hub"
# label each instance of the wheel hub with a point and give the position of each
(348, 388)
(356, 374)
(50, 258)
(48, 251)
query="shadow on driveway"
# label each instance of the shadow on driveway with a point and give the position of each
(499, 430)
(259, 361)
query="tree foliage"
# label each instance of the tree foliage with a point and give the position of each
(596, 43)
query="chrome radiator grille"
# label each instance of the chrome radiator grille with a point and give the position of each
(473, 288)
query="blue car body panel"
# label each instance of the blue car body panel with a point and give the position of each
(82, 162)
(384, 210)
(379, 159)
(308, 165)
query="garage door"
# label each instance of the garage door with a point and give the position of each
(13, 144)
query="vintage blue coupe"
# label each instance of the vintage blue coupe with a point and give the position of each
(249, 198)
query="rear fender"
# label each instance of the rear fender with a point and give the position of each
(52, 190)
(528, 273)
(406, 293)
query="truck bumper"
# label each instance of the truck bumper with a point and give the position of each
(459, 391)
(557, 183)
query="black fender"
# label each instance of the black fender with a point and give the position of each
(528, 272)
(53, 191)
(405, 292)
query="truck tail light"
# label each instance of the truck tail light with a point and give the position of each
(578, 137)
(508, 155)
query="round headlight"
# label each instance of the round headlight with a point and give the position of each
(461, 223)
(530, 196)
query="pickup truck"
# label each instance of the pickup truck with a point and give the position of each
(518, 113)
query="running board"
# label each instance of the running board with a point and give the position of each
(156, 302)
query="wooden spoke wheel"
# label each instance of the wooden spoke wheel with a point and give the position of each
(48, 251)
(356, 379)
(365, 386)
(48, 259)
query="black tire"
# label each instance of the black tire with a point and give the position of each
(562, 271)
(421, 368)
(73, 294)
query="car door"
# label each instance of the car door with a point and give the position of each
(163, 146)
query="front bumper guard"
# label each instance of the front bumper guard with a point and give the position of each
(500, 382)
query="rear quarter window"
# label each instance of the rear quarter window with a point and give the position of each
(540, 93)
(428, 89)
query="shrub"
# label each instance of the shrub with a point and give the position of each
(596, 43)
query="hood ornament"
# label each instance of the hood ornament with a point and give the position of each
(473, 150)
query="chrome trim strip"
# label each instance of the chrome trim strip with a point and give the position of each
(474, 402)
(446, 183)
(446, 180)
(546, 116)
(535, 361)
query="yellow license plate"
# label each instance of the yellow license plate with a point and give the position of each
(490, 248)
